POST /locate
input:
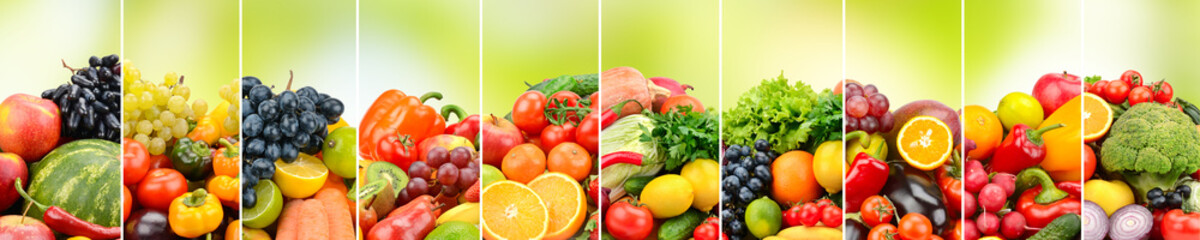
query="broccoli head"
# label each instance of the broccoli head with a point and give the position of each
(1151, 145)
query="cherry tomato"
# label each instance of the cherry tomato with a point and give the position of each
(529, 112)
(399, 150)
(1098, 88)
(884, 231)
(791, 217)
(587, 134)
(1140, 94)
(1116, 91)
(877, 210)
(567, 99)
(1163, 92)
(627, 222)
(553, 135)
(1132, 78)
(824, 202)
(706, 231)
(160, 187)
(810, 214)
(831, 216)
(915, 226)
(594, 101)
(137, 161)
(128, 202)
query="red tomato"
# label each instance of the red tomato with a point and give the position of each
(566, 99)
(553, 135)
(137, 161)
(594, 100)
(791, 216)
(1163, 92)
(627, 222)
(160, 161)
(677, 101)
(706, 231)
(822, 203)
(1140, 94)
(810, 214)
(1116, 91)
(160, 187)
(529, 112)
(877, 210)
(884, 231)
(399, 150)
(1098, 88)
(1089, 162)
(831, 216)
(1132, 78)
(128, 202)
(915, 226)
(587, 134)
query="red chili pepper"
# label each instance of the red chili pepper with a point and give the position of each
(609, 116)
(866, 177)
(466, 127)
(1177, 225)
(1023, 148)
(60, 220)
(621, 157)
(1071, 187)
(413, 221)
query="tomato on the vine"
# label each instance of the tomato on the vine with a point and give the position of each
(1163, 92)
(1116, 91)
(626, 221)
(877, 210)
(1140, 94)
(398, 150)
(553, 135)
(810, 214)
(1132, 78)
(566, 99)
(1098, 88)
(529, 112)
(587, 134)
(160, 187)
(791, 216)
(831, 216)
(136, 161)
(885, 231)
(709, 230)
(915, 226)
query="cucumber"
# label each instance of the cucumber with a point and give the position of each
(560, 83)
(634, 186)
(586, 84)
(681, 227)
(1189, 109)
(1063, 227)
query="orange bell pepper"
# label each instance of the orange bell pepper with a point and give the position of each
(1063, 145)
(226, 159)
(394, 113)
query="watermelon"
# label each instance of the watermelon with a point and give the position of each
(82, 177)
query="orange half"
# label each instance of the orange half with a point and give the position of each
(925, 142)
(564, 200)
(512, 210)
(1097, 117)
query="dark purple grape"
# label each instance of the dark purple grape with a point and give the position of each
(460, 156)
(467, 177)
(447, 174)
(886, 122)
(403, 198)
(869, 89)
(449, 190)
(437, 156)
(856, 106)
(851, 124)
(868, 124)
(418, 169)
(879, 104)
(417, 187)
(852, 89)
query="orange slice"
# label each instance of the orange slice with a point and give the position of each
(512, 210)
(925, 142)
(1097, 117)
(565, 201)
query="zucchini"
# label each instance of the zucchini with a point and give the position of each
(681, 227)
(1189, 109)
(1063, 227)
(634, 186)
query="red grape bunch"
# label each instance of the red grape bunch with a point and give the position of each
(866, 109)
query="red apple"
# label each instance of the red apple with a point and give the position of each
(499, 136)
(22, 227)
(11, 168)
(1054, 89)
(29, 126)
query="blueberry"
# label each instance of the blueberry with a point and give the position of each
(1184, 190)
(1154, 193)
(762, 145)
(1159, 202)
(1174, 200)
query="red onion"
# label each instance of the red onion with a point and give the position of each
(1095, 221)
(1131, 222)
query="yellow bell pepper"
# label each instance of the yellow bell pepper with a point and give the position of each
(1064, 146)
(195, 214)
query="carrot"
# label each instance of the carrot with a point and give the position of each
(340, 226)
(314, 223)
(289, 220)
(335, 182)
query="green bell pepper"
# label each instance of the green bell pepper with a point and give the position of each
(192, 158)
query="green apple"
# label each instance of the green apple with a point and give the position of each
(1019, 107)
(490, 174)
(338, 152)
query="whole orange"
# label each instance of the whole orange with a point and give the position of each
(984, 128)
(571, 159)
(523, 163)
(793, 178)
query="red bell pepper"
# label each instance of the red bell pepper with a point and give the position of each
(413, 221)
(466, 127)
(394, 113)
(1023, 148)
(866, 177)
(1040, 200)
(1177, 225)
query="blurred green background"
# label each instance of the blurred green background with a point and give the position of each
(910, 50)
(675, 39)
(418, 47)
(313, 38)
(761, 38)
(530, 40)
(198, 40)
(1010, 44)
(37, 35)
(1160, 39)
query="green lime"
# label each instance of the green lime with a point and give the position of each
(266, 210)
(339, 152)
(454, 230)
(491, 174)
(1019, 107)
(763, 217)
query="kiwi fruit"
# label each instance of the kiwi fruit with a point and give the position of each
(388, 172)
(368, 191)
